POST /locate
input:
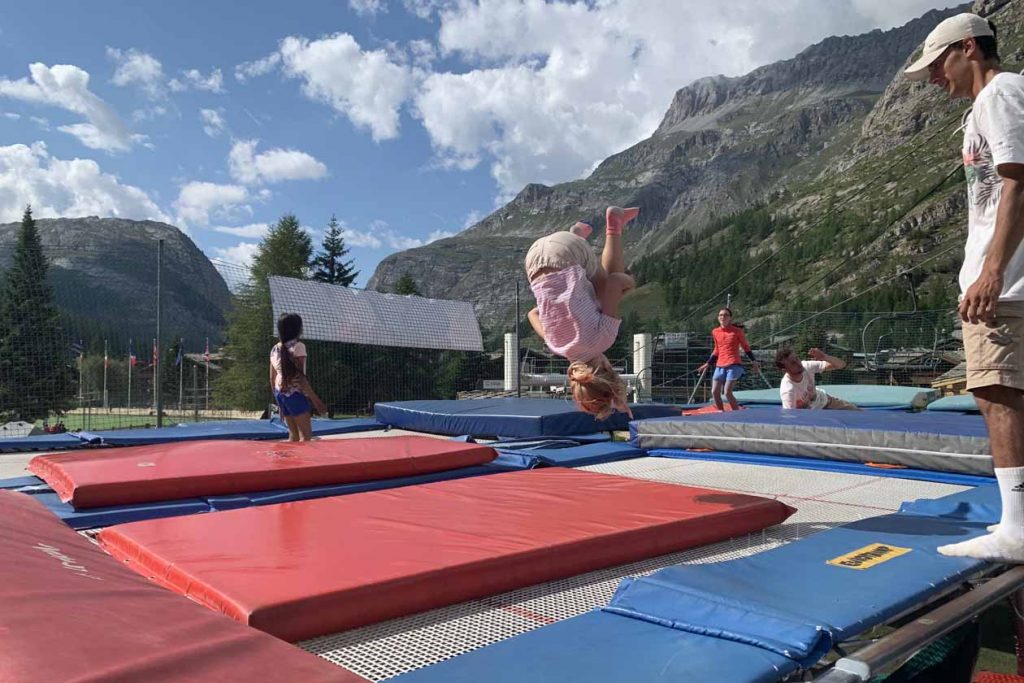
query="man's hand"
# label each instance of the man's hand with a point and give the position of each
(817, 354)
(755, 366)
(979, 303)
(702, 368)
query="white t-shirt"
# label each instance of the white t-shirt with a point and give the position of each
(993, 135)
(804, 393)
(297, 350)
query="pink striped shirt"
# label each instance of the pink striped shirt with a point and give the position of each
(574, 326)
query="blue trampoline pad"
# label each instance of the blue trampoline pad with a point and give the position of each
(325, 427)
(568, 456)
(964, 403)
(45, 442)
(119, 514)
(826, 466)
(15, 483)
(732, 621)
(508, 417)
(193, 431)
(864, 395)
(599, 647)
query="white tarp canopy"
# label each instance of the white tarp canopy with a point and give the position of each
(353, 316)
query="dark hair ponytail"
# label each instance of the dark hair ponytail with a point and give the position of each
(289, 327)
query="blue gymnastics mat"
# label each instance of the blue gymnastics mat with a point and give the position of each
(46, 442)
(508, 417)
(756, 619)
(946, 442)
(91, 518)
(871, 396)
(567, 456)
(964, 403)
(225, 429)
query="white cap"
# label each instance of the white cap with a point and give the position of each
(948, 32)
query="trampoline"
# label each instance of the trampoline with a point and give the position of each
(145, 474)
(45, 442)
(931, 441)
(71, 612)
(508, 417)
(402, 551)
(747, 620)
(824, 500)
(870, 396)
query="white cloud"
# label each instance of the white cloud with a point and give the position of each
(367, 7)
(241, 254)
(259, 67)
(364, 85)
(40, 121)
(198, 200)
(271, 166)
(551, 87)
(67, 86)
(66, 188)
(472, 218)
(193, 79)
(135, 67)
(11, 115)
(213, 121)
(252, 231)
(439, 235)
(425, 9)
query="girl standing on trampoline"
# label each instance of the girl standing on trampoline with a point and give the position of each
(577, 313)
(295, 398)
(725, 356)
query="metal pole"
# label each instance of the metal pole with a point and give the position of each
(697, 385)
(181, 375)
(128, 405)
(207, 356)
(195, 392)
(106, 363)
(1017, 602)
(159, 402)
(519, 354)
(902, 643)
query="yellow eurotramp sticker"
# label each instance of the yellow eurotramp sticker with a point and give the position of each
(868, 556)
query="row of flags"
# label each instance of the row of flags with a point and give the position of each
(133, 359)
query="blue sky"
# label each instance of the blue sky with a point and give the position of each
(407, 119)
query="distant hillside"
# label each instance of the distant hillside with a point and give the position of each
(104, 275)
(783, 143)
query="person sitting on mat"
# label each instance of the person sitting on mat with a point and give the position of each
(577, 313)
(797, 388)
(725, 356)
(293, 393)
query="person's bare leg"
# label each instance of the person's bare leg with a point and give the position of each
(716, 394)
(612, 257)
(729, 384)
(1003, 410)
(304, 424)
(293, 429)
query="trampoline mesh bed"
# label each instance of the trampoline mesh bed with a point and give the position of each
(822, 499)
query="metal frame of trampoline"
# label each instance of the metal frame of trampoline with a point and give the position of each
(823, 500)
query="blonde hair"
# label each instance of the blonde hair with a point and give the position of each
(596, 388)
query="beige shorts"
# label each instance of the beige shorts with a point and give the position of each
(558, 251)
(995, 355)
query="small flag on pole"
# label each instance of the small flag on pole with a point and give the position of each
(206, 354)
(181, 345)
(156, 354)
(106, 359)
(132, 358)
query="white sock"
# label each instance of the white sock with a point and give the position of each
(1011, 493)
(1006, 542)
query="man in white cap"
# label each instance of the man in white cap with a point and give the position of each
(961, 57)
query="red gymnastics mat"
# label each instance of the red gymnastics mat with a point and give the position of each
(303, 569)
(72, 613)
(144, 474)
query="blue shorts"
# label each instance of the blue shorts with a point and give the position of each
(292, 404)
(728, 373)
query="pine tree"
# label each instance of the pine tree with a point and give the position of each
(287, 250)
(36, 373)
(406, 285)
(329, 263)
